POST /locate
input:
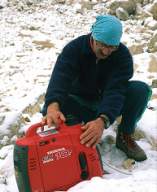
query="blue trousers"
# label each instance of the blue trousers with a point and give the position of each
(137, 97)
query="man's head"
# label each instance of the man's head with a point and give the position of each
(106, 33)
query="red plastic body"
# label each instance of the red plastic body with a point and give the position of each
(53, 158)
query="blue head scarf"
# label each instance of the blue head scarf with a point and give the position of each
(107, 29)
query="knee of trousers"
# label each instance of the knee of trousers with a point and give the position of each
(140, 89)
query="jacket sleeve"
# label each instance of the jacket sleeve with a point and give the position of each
(115, 90)
(65, 70)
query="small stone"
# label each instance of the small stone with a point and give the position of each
(3, 180)
(129, 164)
(154, 83)
(2, 119)
(5, 140)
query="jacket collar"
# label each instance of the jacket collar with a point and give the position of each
(87, 49)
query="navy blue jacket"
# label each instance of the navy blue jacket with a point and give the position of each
(77, 71)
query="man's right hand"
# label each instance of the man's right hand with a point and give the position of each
(54, 115)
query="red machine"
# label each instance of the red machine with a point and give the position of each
(54, 159)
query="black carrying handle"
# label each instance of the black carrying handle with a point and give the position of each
(83, 165)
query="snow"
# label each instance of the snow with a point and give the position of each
(31, 41)
(128, 183)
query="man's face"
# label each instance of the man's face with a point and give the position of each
(101, 50)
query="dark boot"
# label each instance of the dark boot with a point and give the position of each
(127, 144)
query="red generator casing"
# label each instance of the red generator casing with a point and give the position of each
(54, 159)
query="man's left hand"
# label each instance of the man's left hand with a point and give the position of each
(92, 132)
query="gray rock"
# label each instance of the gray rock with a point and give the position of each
(3, 3)
(2, 119)
(136, 48)
(88, 5)
(139, 1)
(145, 2)
(142, 11)
(3, 180)
(154, 10)
(152, 64)
(128, 5)
(154, 83)
(151, 24)
(152, 45)
(139, 9)
(122, 14)
(60, 1)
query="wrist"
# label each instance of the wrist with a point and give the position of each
(54, 106)
(105, 119)
(100, 120)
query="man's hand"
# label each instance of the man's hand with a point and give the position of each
(54, 115)
(92, 132)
